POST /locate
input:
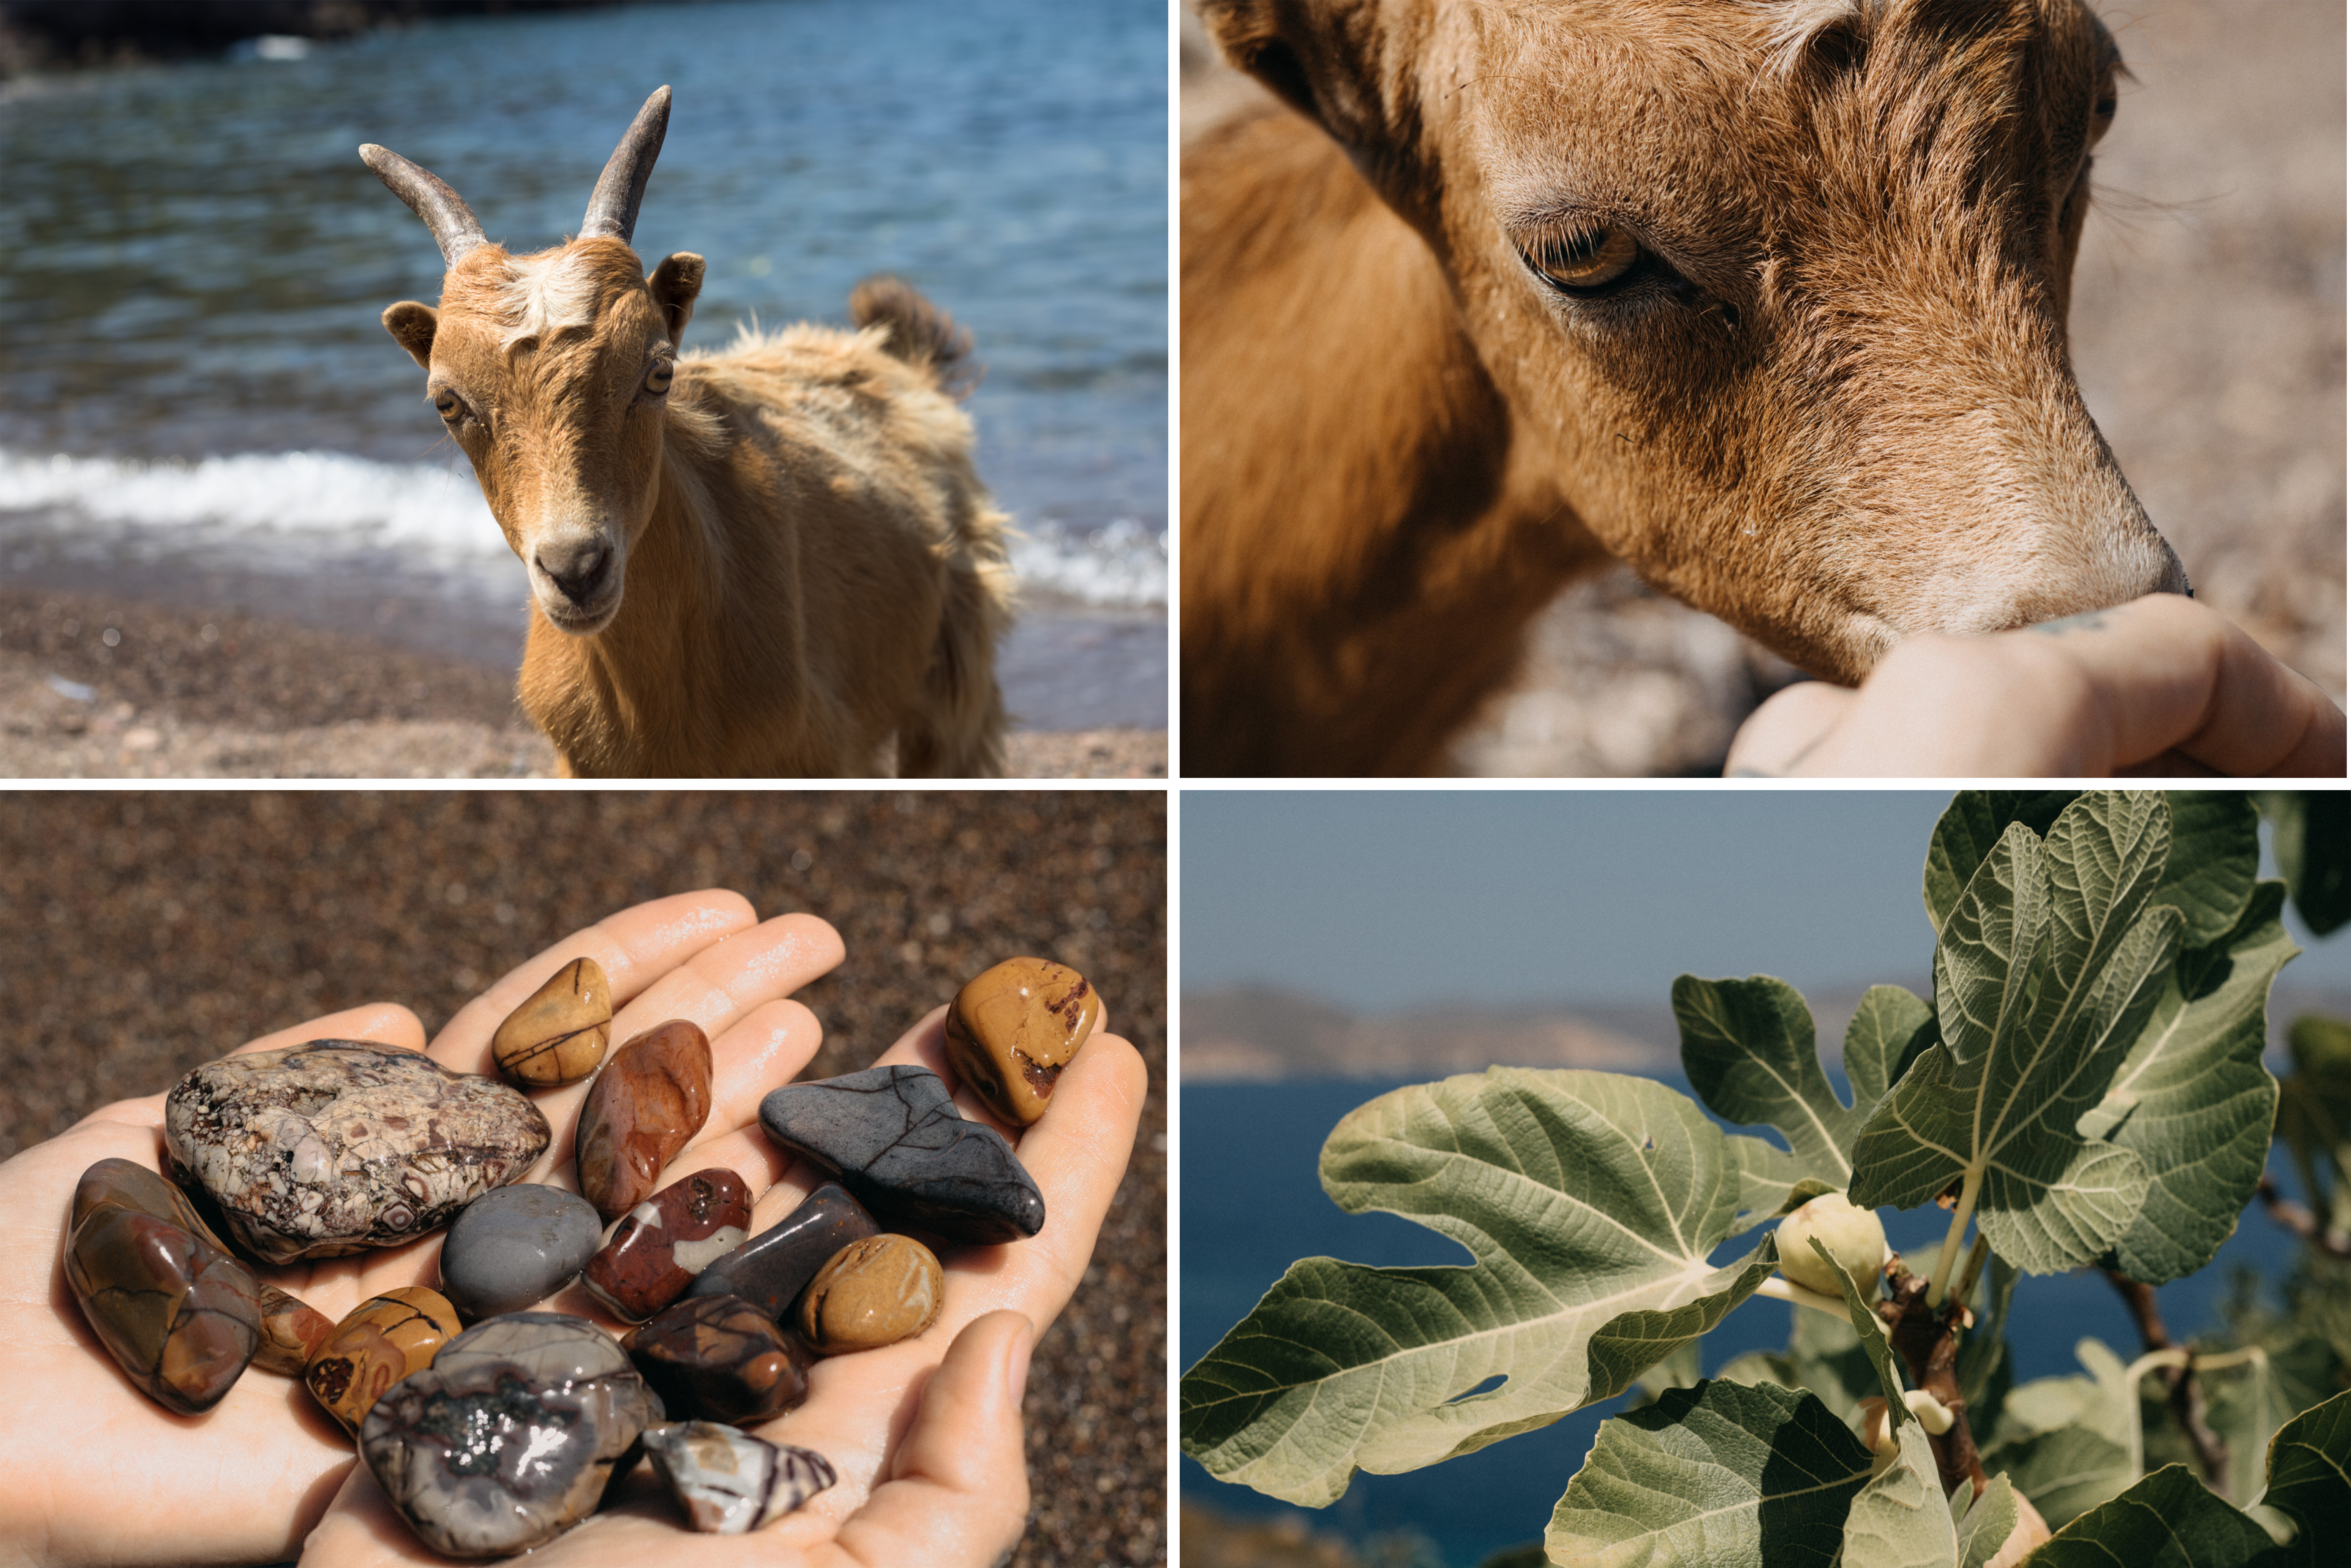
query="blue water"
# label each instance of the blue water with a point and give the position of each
(197, 260)
(1252, 1203)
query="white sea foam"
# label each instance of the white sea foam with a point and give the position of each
(285, 511)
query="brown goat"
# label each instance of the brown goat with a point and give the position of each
(767, 560)
(1766, 298)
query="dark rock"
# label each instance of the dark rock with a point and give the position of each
(651, 1098)
(514, 1247)
(730, 1482)
(894, 1138)
(328, 1148)
(559, 1036)
(877, 1292)
(181, 1316)
(1013, 1029)
(380, 1341)
(510, 1438)
(666, 1240)
(720, 1358)
(771, 1269)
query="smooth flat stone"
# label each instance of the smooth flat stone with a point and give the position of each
(666, 1240)
(559, 1036)
(508, 1440)
(651, 1098)
(771, 1269)
(382, 1340)
(328, 1148)
(720, 1358)
(181, 1316)
(292, 1331)
(1014, 1027)
(875, 1292)
(512, 1249)
(893, 1136)
(730, 1482)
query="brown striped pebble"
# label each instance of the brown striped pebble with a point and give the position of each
(292, 1331)
(559, 1036)
(382, 1341)
(651, 1099)
(1013, 1030)
(874, 1293)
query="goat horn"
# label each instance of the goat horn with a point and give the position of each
(455, 228)
(612, 210)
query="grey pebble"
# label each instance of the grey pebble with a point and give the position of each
(510, 1436)
(730, 1482)
(514, 1247)
(893, 1137)
(770, 1269)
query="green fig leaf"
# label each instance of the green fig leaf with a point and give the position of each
(1901, 1519)
(2070, 1443)
(2311, 832)
(2168, 1520)
(1731, 1475)
(2310, 1478)
(1590, 1202)
(1971, 825)
(1871, 1335)
(1984, 1522)
(1747, 1049)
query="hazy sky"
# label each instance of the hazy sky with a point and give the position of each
(1383, 900)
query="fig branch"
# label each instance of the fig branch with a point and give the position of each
(1927, 1340)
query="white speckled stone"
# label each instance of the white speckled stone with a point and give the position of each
(331, 1147)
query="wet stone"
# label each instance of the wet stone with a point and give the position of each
(771, 1269)
(514, 1247)
(720, 1358)
(651, 1098)
(179, 1316)
(1013, 1030)
(730, 1482)
(509, 1438)
(668, 1239)
(328, 1148)
(876, 1293)
(382, 1340)
(559, 1036)
(292, 1331)
(893, 1137)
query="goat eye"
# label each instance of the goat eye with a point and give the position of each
(657, 379)
(1586, 259)
(449, 404)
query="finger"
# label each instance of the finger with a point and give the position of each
(957, 1492)
(2257, 717)
(1777, 736)
(634, 947)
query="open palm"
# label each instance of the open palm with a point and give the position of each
(103, 1473)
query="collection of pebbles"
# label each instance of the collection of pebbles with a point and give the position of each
(494, 1428)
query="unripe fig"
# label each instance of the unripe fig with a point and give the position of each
(1852, 1236)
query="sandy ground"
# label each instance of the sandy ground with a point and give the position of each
(95, 687)
(2209, 340)
(146, 931)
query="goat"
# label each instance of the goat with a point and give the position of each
(1766, 298)
(769, 559)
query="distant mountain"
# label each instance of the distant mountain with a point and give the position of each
(1257, 1033)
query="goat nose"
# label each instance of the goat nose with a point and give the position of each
(578, 569)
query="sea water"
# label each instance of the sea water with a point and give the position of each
(199, 398)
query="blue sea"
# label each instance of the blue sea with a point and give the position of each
(199, 398)
(1252, 1203)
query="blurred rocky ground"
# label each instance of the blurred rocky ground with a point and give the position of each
(2209, 338)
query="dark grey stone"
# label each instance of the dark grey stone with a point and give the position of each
(772, 1268)
(514, 1247)
(893, 1136)
(510, 1436)
(330, 1147)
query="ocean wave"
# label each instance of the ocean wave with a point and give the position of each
(284, 510)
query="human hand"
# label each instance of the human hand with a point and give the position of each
(2161, 687)
(102, 1473)
(925, 1434)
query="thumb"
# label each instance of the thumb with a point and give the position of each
(957, 1496)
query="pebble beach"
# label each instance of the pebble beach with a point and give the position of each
(150, 930)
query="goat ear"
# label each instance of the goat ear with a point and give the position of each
(675, 284)
(411, 326)
(1331, 60)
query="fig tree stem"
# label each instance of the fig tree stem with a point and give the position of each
(1969, 1186)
